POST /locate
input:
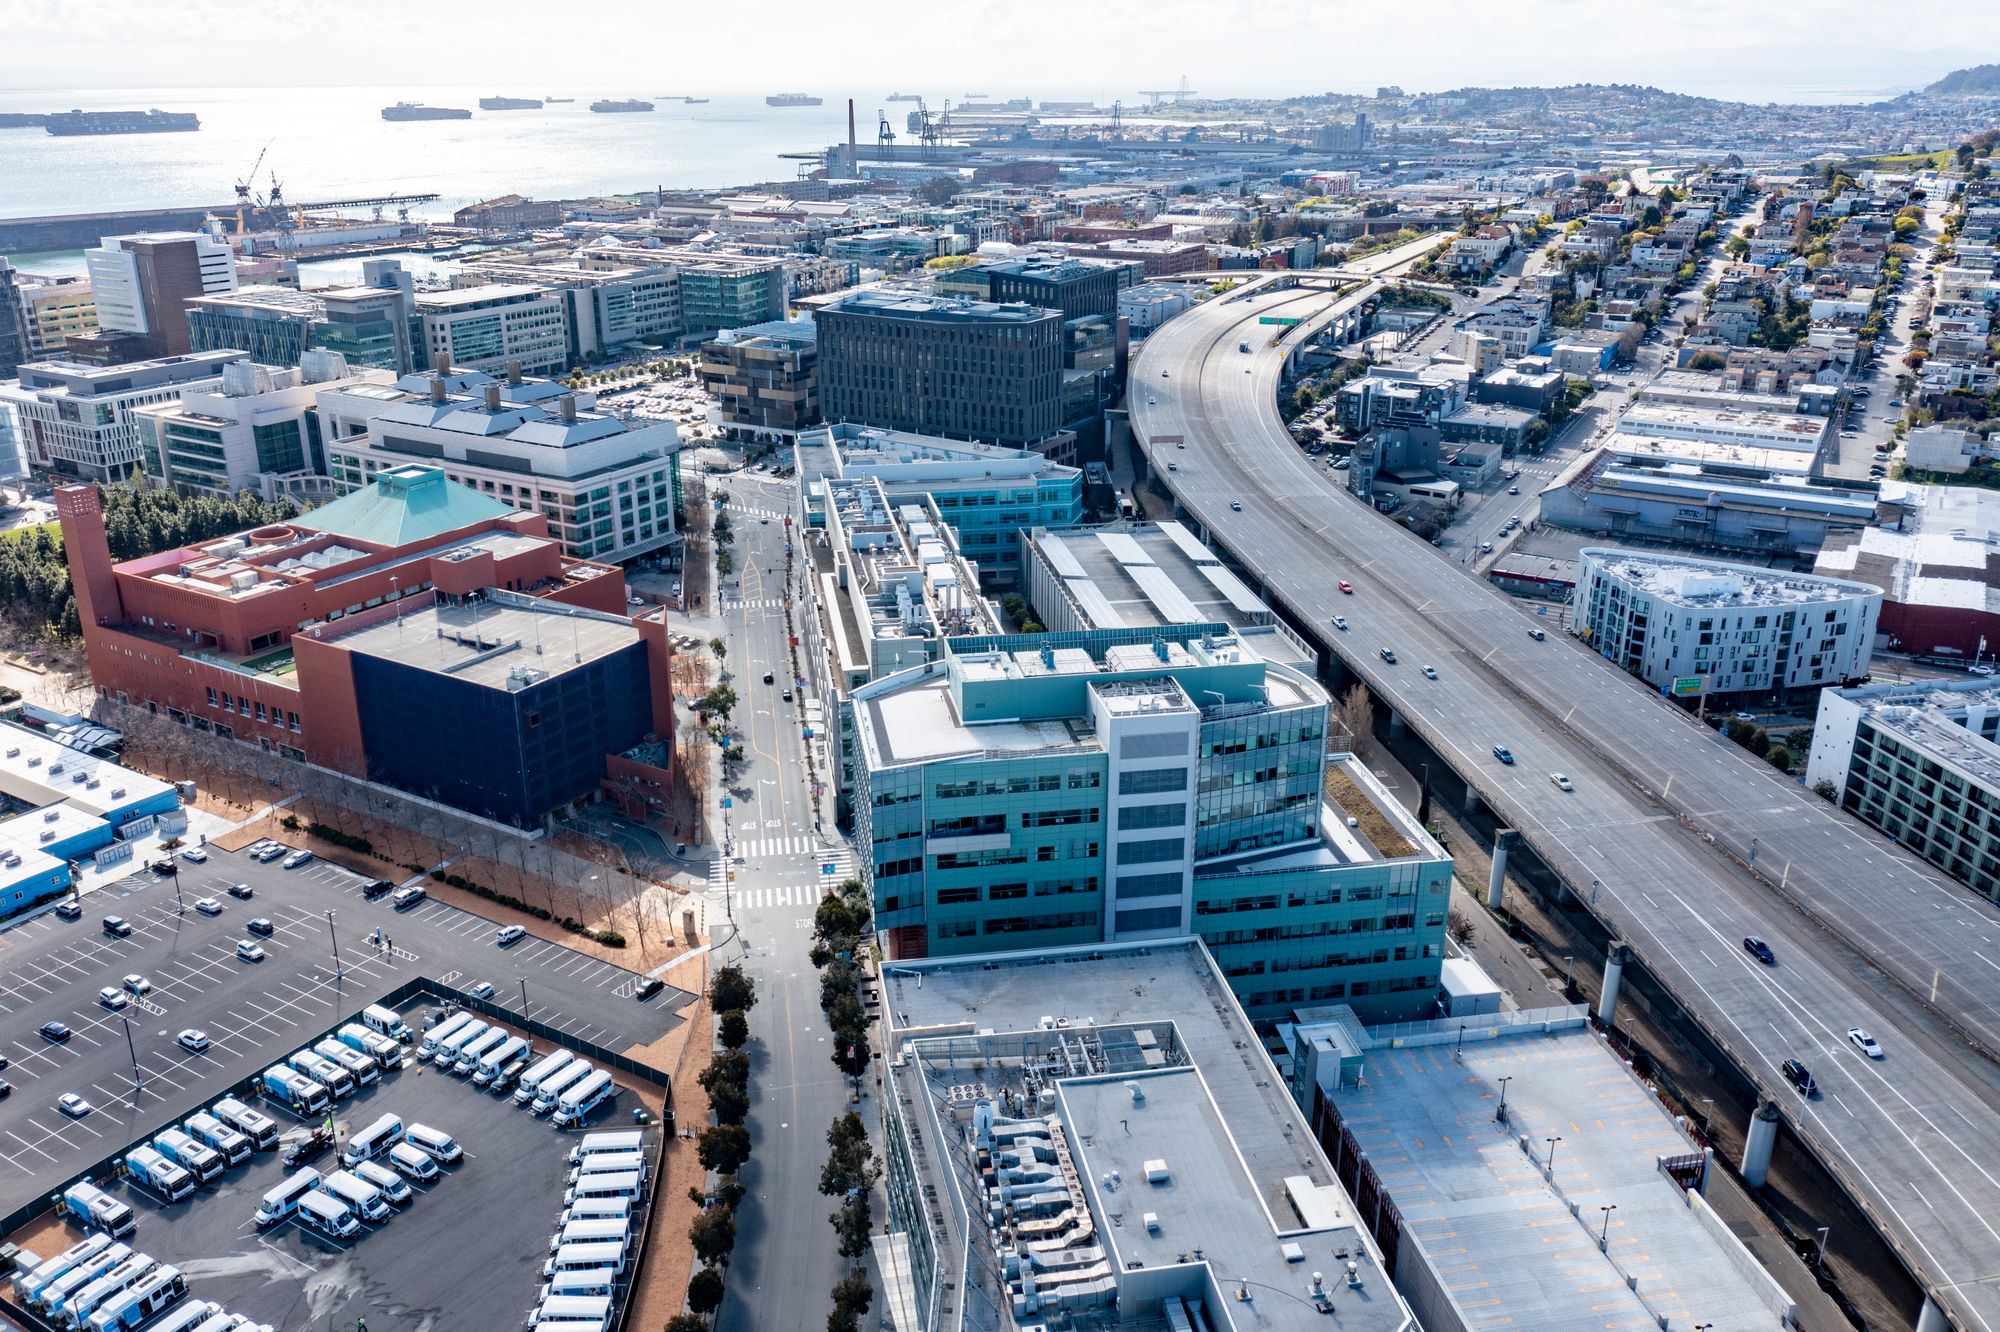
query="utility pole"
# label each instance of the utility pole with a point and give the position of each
(138, 1082)
(336, 944)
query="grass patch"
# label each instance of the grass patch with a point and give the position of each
(23, 533)
(1376, 826)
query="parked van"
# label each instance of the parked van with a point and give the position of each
(610, 1163)
(328, 1215)
(254, 1124)
(546, 1067)
(358, 1193)
(590, 1281)
(560, 1081)
(361, 1065)
(94, 1209)
(386, 1053)
(593, 1230)
(188, 1318)
(470, 1053)
(283, 1200)
(289, 1087)
(610, 1209)
(77, 1309)
(433, 1143)
(413, 1162)
(577, 1101)
(604, 1186)
(607, 1140)
(180, 1147)
(234, 1147)
(385, 1021)
(372, 1141)
(438, 1035)
(221, 1321)
(583, 1257)
(392, 1185)
(30, 1282)
(499, 1057)
(139, 1301)
(51, 1296)
(158, 1174)
(338, 1082)
(448, 1049)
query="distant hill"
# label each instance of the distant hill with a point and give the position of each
(1978, 79)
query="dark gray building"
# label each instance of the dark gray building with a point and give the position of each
(961, 369)
(1077, 287)
(13, 322)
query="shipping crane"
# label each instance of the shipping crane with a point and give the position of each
(1180, 94)
(883, 134)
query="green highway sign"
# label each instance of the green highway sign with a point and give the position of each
(1685, 685)
(1276, 319)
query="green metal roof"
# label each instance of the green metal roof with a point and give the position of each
(403, 506)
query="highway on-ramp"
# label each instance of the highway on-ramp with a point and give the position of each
(1666, 819)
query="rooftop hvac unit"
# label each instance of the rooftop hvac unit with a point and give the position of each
(117, 793)
(50, 816)
(93, 784)
(242, 580)
(1157, 1172)
(14, 751)
(55, 767)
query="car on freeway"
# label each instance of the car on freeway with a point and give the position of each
(1236, 505)
(1537, 635)
(241, 890)
(1386, 654)
(1800, 1077)
(298, 858)
(55, 1031)
(137, 984)
(194, 855)
(1430, 673)
(1862, 1041)
(113, 998)
(208, 906)
(1504, 754)
(1760, 950)
(1486, 548)
(1562, 781)
(481, 990)
(1173, 466)
(72, 1105)
(647, 987)
(260, 925)
(508, 934)
(1345, 587)
(117, 925)
(192, 1039)
(1513, 490)
(70, 910)
(1340, 623)
(249, 950)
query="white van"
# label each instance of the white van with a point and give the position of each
(610, 1163)
(254, 1124)
(362, 1066)
(139, 1301)
(165, 1178)
(413, 1163)
(442, 1032)
(197, 1158)
(560, 1081)
(30, 1282)
(577, 1101)
(386, 1053)
(328, 1215)
(607, 1209)
(206, 1128)
(187, 1318)
(499, 1057)
(582, 1257)
(283, 1200)
(587, 1281)
(52, 1294)
(593, 1230)
(358, 1193)
(605, 1186)
(475, 1049)
(80, 1306)
(372, 1141)
(433, 1143)
(384, 1020)
(392, 1185)
(614, 1140)
(338, 1082)
(548, 1066)
(448, 1048)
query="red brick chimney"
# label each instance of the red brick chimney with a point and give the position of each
(89, 556)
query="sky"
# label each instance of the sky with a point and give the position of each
(1100, 48)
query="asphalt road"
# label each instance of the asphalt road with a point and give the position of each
(254, 1013)
(1866, 935)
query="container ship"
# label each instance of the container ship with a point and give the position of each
(416, 111)
(792, 99)
(510, 104)
(695, 101)
(553, 100)
(904, 97)
(120, 122)
(612, 105)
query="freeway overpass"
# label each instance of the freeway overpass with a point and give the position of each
(1679, 841)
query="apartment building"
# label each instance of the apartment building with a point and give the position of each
(54, 310)
(764, 378)
(492, 326)
(78, 420)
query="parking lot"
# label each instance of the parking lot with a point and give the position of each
(464, 1253)
(254, 1013)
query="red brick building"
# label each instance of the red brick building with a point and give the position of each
(369, 635)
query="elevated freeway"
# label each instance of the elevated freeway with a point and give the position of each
(1677, 840)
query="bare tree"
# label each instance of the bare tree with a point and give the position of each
(1357, 718)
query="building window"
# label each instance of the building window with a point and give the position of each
(1152, 781)
(1149, 918)
(1151, 851)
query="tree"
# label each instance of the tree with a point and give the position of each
(719, 648)
(724, 564)
(705, 1291)
(732, 1067)
(729, 1102)
(733, 1029)
(1826, 790)
(1357, 717)
(723, 1148)
(718, 702)
(853, 1224)
(1779, 757)
(849, 1163)
(854, 1293)
(686, 1322)
(732, 988)
(713, 1235)
(1031, 627)
(941, 189)
(1013, 603)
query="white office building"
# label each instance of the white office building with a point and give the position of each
(1702, 626)
(605, 485)
(78, 420)
(488, 327)
(131, 297)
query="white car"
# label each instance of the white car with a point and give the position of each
(72, 1105)
(249, 951)
(1340, 623)
(112, 998)
(508, 934)
(298, 858)
(1865, 1043)
(208, 906)
(192, 1039)
(1562, 782)
(194, 855)
(481, 990)
(137, 984)
(1430, 673)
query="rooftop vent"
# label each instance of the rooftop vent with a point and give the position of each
(1157, 1172)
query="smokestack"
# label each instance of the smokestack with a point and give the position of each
(437, 389)
(853, 158)
(514, 373)
(441, 363)
(492, 397)
(569, 408)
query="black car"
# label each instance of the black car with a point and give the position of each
(6, 1088)
(1801, 1078)
(259, 925)
(55, 1031)
(647, 987)
(768, 677)
(1760, 950)
(164, 868)
(378, 887)
(241, 890)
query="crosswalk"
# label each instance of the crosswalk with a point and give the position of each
(762, 847)
(791, 895)
(750, 512)
(767, 603)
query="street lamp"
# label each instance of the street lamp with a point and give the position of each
(138, 1081)
(1500, 1114)
(524, 996)
(1753, 850)
(1552, 1153)
(336, 945)
(1824, 1233)
(1604, 1231)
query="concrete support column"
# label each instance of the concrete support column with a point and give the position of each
(1397, 725)
(1931, 1318)
(1757, 1146)
(1471, 800)
(1496, 882)
(1614, 972)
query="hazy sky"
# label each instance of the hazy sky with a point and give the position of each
(1100, 48)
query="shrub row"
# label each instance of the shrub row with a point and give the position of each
(609, 938)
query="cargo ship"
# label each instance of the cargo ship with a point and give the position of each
(510, 104)
(792, 99)
(69, 123)
(695, 101)
(416, 111)
(553, 100)
(613, 105)
(904, 97)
